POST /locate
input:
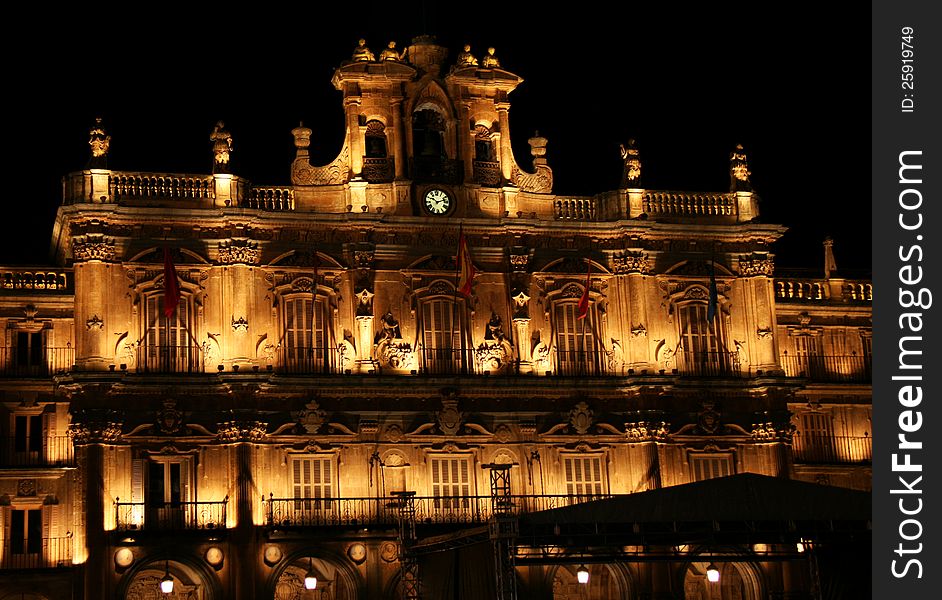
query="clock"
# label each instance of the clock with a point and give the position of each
(437, 201)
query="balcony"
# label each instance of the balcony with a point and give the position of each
(169, 359)
(436, 170)
(309, 361)
(486, 173)
(36, 553)
(689, 204)
(708, 364)
(581, 363)
(429, 510)
(275, 199)
(446, 361)
(832, 449)
(36, 361)
(379, 170)
(135, 516)
(22, 451)
(574, 209)
(828, 368)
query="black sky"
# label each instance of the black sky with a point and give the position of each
(687, 83)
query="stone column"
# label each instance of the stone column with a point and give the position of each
(465, 140)
(352, 108)
(93, 287)
(364, 343)
(96, 539)
(398, 138)
(238, 319)
(506, 152)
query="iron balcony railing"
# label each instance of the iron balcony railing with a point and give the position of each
(169, 359)
(307, 360)
(832, 449)
(433, 169)
(36, 451)
(486, 172)
(447, 361)
(708, 364)
(379, 169)
(36, 553)
(35, 361)
(169, 516)
(429, 510)
(850, 368)
(581, 363)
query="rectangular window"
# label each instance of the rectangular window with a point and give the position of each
(168, 341)
(312, 479)
(27, 433)
(808, 356)
(169, 501)
(701, 346)
(441, 336)
(26, 531)
(29, 353)
(710, 466)
(583, 475)
(816, 438)
(305, 339)
(867, 343)
(451, 481)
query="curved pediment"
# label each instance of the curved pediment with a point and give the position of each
(698, 268)
(179, 256)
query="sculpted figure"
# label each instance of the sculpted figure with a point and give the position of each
(222, 147)
(390, 53)
(490, 61)
(361, 53)
(632, 171)
(466, 59)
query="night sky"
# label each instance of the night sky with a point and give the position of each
(688, 84)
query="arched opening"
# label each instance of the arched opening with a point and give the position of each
(188, 583)
(736, 582)
(428, 134)
(604, 582)
(333, 583)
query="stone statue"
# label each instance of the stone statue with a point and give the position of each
(495, 329)
(390, 329)
(466, 59)
(361, 53)
(490, 61)
(222, 147)
(739, 171)
(390, 53)
(631, 175)
(99, 142)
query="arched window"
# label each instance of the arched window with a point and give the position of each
(375, 139)
(428, 134)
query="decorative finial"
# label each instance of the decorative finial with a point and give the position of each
(490, 61)
(222, 147)
(361, 53)
(830, 265)
(739, 171)
(99, 142)
(631, 175)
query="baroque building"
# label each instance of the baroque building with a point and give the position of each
(417, 372)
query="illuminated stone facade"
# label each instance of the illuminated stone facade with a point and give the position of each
(320, 360)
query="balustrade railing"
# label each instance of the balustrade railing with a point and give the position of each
(16, 279)
(832, 449)
(169, 516)
(429, 510)
(36, 451)
(35, 361)
(802, 289)
(36, 552)
(846, 368)
(270, 198)
(708, 364)
(574, 209)
(131, 186)
(689, 204)
(169, 359)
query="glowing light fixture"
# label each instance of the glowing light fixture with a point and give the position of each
(310, 579)
(713, 574)
(582, 575)
(166, 583)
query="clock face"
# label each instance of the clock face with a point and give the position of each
(437, 202)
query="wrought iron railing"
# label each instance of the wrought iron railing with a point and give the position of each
(38, 451)
(36, 553)
(440, 170)
(832, 449)
(708, 364)
(307, 360)
(131, 516)
(35, 361)
(169, 359)
(580, 363)
(446, 361)
(486, 172)
(379, 170)
(827, 368)
(429, 510)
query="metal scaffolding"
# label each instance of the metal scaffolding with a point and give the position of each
(503, 529)
(409, 584)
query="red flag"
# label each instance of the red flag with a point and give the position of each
(171, 285)
(466, 269)
(583, 305)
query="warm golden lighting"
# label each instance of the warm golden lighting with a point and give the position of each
(582, 574)
(310, 579)
(166, 583)
(712, 573)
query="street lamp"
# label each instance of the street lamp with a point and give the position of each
(310, 579)
(166, 583)
(713, 574)
(582, 575)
